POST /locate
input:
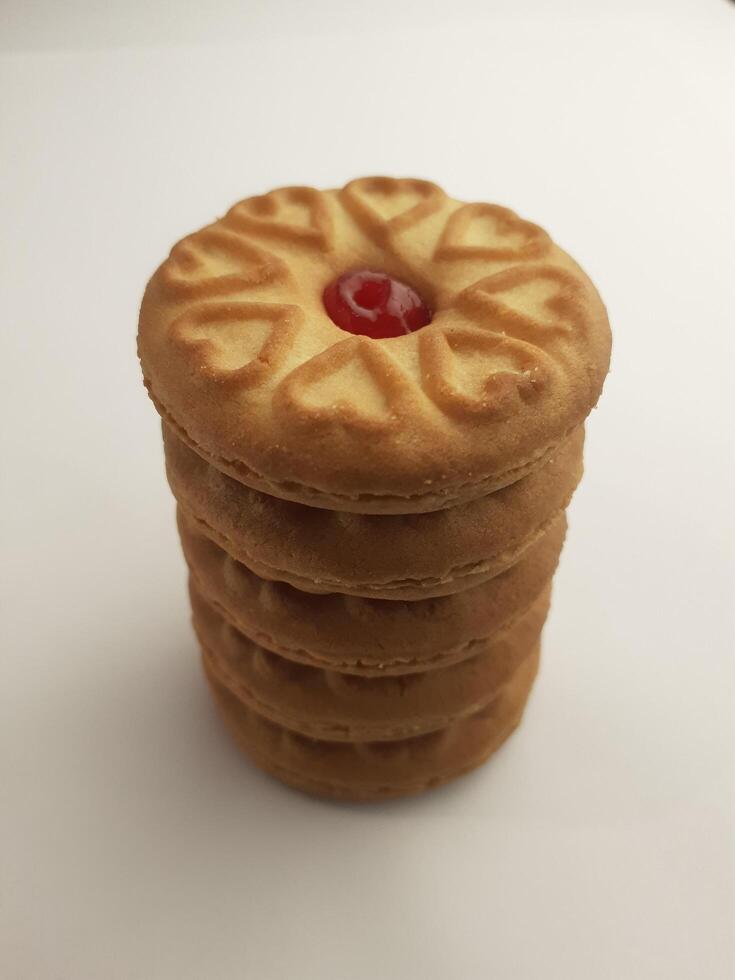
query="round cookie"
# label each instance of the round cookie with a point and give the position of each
(340, 707)
(241, 358)
(365, 771)
(368, 637)
(411, 556)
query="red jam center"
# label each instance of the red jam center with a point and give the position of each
(375, 304)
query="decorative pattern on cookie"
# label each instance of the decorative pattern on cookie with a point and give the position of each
(238, 345)
(386, 206)
(490, 233)
(241, 357)
(217, 262)
(290, 214)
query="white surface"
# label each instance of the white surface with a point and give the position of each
(136, 844)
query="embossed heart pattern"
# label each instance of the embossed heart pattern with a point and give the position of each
(371, 525)
(241, 357)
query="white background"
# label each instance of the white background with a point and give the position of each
(136, 843)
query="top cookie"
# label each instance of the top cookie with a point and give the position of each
(242, 359)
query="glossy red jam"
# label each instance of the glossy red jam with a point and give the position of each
(375, 304)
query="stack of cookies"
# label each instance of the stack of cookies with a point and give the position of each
(373, 403)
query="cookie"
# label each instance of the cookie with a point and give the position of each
(375, 770)
(368, 637)
(243, 361)
(326, 704)
(413, 556)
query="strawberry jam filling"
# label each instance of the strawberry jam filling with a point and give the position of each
(375, 304)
